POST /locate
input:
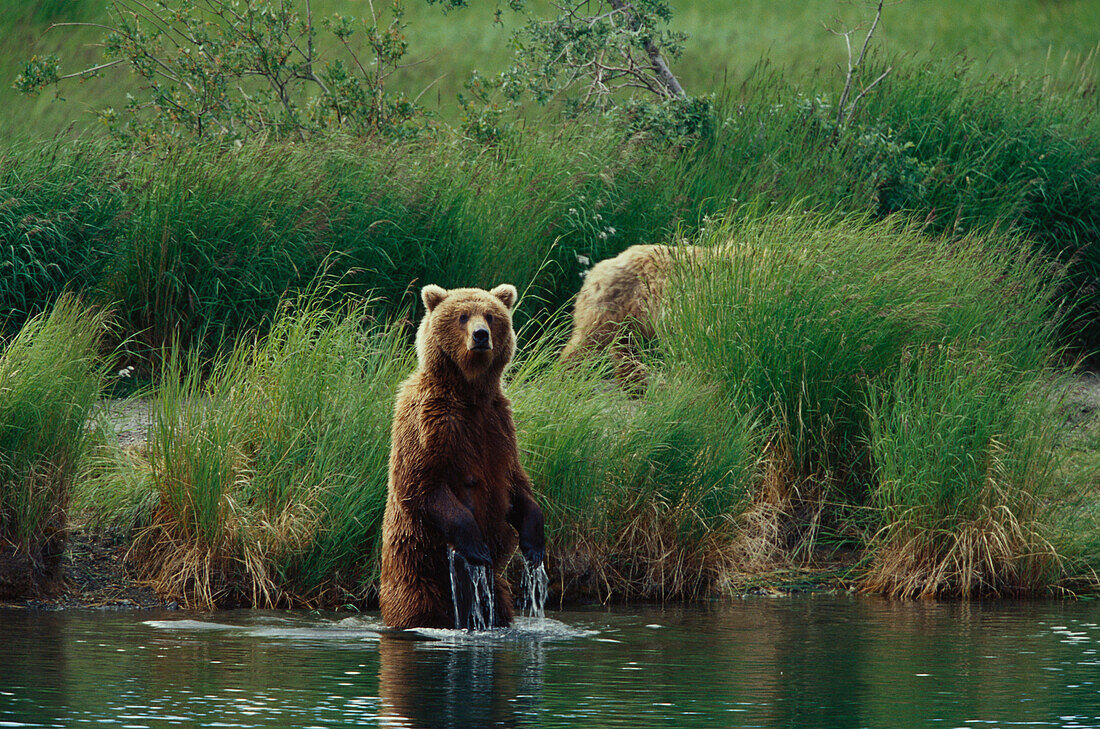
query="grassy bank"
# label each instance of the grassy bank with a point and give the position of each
(823, 385)
(902, 385)
(882, 332)
(264, 482)
(50, 377)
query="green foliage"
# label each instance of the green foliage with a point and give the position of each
(51, 374)
(600, 57)
(977, 152)
(902, 383)
(231, 70)
(58, 208)
(200, 242)
(640, 496)
(797, 316)
(726, 40)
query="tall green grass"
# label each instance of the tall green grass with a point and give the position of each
(802, 321)
(270, 474)
(50, 376)
(817, 380)
(198, 244)
(975, 152)
(967, 478)
(796, 315)
(267, 478)
(58, 220)
(641, 495)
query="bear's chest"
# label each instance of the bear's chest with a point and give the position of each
(482, 436)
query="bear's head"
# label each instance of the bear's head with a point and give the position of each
(471, 328)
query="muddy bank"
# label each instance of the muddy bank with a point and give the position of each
(94, 575)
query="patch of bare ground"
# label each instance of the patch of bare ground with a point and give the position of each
(95, 576)
(129, 420)
(1082, 403)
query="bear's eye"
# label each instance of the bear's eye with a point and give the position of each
(489, 319)
(463, 319)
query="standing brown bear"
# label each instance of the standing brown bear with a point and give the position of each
(455, 478)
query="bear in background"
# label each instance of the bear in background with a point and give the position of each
(618, 305)
(455, 479)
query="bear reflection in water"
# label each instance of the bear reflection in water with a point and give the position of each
(430, 685)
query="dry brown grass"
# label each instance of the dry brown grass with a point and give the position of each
(994, 554)
(647, 557)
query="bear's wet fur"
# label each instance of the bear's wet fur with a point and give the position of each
(455, 479)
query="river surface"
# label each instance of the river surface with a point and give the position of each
(808, 661)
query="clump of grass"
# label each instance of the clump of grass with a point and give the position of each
(967, 152)
(798, 319)
(966, 478)
(50, 375)
(640, 496)
(270, 473)
(204, 242)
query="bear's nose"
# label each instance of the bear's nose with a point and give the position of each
(481, 338)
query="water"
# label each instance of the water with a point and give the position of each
(471, 593)
(808, 661)
(535, 590)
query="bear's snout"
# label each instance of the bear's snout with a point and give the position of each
(482, 339)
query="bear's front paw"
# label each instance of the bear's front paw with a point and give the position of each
(532, 540)
(533, 555)
(474, 551)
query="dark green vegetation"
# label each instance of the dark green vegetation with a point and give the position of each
(872, 363)
(200, 243)
(902, 385)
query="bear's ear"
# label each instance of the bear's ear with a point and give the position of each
(507, 294)
(432, 296)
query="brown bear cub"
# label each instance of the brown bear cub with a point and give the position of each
(455, 478)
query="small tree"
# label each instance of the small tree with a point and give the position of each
(847, 104)
(231, 69)
(594, 56)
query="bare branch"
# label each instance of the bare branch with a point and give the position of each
(659, 66)
(844, 109)
(870, 32)
(870, 86)
(86, 72)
